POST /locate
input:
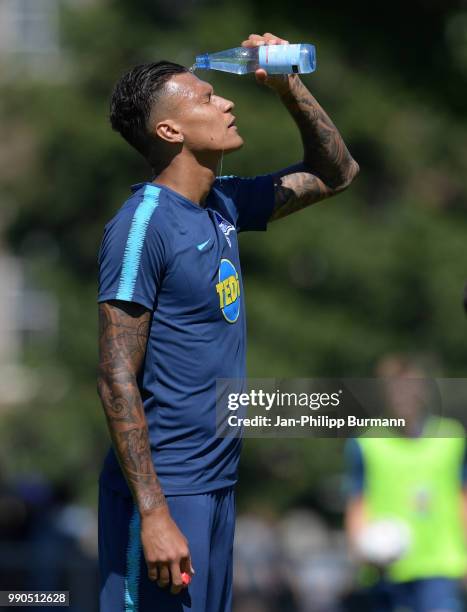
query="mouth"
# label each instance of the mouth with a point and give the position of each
(232, 123)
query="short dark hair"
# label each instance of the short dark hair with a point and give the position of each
(133, 98)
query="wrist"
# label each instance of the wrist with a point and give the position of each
(160, 511)
(286, 88)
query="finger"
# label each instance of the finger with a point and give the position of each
(153, 572)
(268, 38)
(255, 40)
(252, 43)
(271, 39)
(164, 576)
(187, 566)
(177, 582)
(261, 75)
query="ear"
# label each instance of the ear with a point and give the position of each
(169, 131)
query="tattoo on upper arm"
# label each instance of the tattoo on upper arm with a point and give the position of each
(296, 191)
(123, 334)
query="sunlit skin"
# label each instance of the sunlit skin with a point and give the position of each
(198, 124)
(198, 127)
(204, 119)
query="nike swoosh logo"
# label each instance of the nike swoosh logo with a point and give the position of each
(201, 246)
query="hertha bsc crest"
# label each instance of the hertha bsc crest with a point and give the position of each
(225, 226)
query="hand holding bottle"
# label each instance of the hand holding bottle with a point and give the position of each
(278, 82)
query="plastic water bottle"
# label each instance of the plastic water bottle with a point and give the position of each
(275, 59)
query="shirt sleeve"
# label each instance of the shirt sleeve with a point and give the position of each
(355, 469)
(132, 260)
(250, 200)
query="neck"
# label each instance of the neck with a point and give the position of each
(190, 176)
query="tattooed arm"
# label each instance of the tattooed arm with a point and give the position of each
(123, 334)
(327, 167)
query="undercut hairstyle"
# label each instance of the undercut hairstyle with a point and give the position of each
(133, 99)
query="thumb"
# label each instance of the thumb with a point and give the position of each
(261, 75)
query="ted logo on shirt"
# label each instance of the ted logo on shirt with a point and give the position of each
(228, 290)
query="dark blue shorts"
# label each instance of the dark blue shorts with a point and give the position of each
(208, 523)
(425, 595)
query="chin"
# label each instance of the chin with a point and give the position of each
(235, 145)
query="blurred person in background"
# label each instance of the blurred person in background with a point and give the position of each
(407, 509)
(172, 321)
(314, 559)
(261, 567)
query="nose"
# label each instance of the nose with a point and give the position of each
(229, 105)
(224, 104)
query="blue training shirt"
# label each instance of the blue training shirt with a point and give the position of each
(181, 261)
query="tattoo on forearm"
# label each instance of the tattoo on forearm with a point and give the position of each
(136, 453)
(120, 409)
(325, 152)
(327, 167)
(150, 494)
(123, 335)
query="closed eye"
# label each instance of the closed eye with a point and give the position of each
(208, 95)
